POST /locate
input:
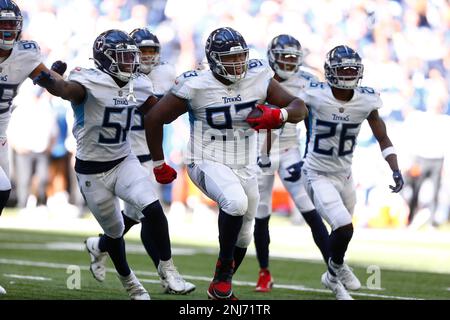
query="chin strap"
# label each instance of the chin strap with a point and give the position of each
(131, 95)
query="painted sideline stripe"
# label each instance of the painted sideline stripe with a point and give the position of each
(20, 276)
(190, 277)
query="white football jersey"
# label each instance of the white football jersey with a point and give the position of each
(25, 57)
(103, 120)
(217, 114)
(289, 135)
(162, 77)
(335, 125)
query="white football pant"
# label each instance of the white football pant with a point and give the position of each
(287, 164)
(129, 181)
(333, 195)
(131, 211)
(234, 190)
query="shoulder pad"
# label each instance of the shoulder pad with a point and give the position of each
(183, 83)
(316, 85)
(367, 90)
(307, 76)
(256, 63)
(372, 96)
(83, 75)
(188, 74)
(164, 69)
(28, 45)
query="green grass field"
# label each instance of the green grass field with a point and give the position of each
(34, 265)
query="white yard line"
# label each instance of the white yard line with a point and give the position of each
(21, 276)
(44, 264)
(79, 246)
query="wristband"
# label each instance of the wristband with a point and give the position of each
(388, 151)
(158, 163)
(283, 115)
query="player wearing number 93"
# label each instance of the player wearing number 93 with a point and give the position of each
(19, 60)
(337, 109)
(104, 99)
(222, 159)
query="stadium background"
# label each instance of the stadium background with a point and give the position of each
(404, 45)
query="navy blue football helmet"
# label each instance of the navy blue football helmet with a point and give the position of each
(227, 54)
(145, 39)
(285, 55)
(343, 67)
(116, 53)
(10, 24)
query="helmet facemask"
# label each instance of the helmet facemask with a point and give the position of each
(231, 65)
(124, 62)
(10, 28)
(149, 57)
(286, 61)
(344, 75)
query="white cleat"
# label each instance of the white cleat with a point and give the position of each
(2, 290)
(332, 283)
(134, 288)
(348, 278)
(98, 258)
(188, 287)
(171, 280)
(345, 275)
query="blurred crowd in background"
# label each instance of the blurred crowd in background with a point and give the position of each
(404, 44)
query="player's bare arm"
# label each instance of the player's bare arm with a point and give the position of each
(148, 104)
(295, 107)
(387, 149)
(379, 131)
(163, 112)
(57, 86)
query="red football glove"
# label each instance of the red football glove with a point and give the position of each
(164, 173)
(270, 119)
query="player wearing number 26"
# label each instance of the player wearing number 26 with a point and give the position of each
(104, 99)
(337, 109)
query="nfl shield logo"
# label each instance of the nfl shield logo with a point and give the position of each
(120, 93)
(341, 110)
(88, 184)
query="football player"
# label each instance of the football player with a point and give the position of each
(104, 100)
(162, 76)
(222, 148)
(285, 57)
(19, 60)
(337, 109)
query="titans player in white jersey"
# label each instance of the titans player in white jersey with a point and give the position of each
(19, 60)
(222, 148)
(103, 100)
(337, 109)
(162, 76)
(285, 57)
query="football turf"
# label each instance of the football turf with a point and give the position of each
(42, 265)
